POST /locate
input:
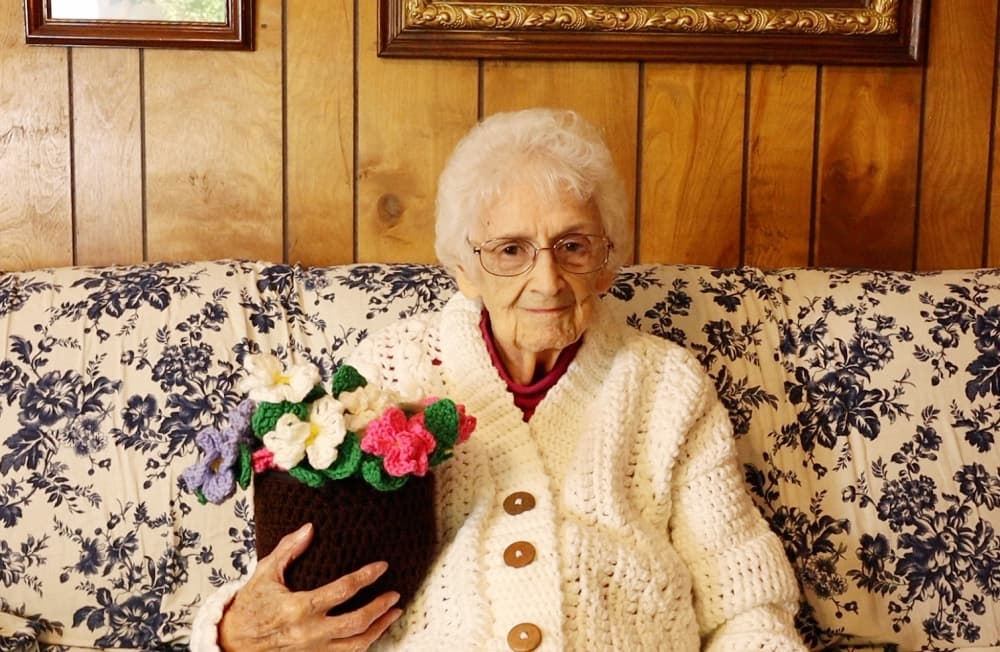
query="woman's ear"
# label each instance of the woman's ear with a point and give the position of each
(466, 285)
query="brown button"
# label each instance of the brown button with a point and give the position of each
(524, 637)
(518, 502)
(518, 554)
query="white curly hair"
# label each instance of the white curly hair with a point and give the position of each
(554, 151)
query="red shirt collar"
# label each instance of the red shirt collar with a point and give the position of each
(527, 397)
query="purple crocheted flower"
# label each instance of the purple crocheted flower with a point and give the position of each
(214, 473)
(240, 417)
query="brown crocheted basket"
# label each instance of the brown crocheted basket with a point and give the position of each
(354, 524)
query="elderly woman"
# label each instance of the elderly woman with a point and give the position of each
(599, 505)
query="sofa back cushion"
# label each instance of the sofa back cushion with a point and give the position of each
(864, 404)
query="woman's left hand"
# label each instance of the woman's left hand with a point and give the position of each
(266, 615)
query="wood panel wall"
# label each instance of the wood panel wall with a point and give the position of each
(312, 149)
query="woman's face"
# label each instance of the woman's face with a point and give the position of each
(543, 310)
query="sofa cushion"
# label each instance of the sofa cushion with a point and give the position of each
(865, 406)
(887, 440)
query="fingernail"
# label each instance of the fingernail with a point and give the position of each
(381, 567)
(394, 598)
(302, 532)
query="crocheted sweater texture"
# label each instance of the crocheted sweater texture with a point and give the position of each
(645, 538)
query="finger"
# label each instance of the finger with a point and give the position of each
(368, 621)
(382, 623)
(345, 587)
(377, 628)
(289, 548)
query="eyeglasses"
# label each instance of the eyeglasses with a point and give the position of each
(577, 253)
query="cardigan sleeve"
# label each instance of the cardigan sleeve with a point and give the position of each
(746, 595)
(205, 627)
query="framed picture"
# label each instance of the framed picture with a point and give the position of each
(223, 24)
(785, 31)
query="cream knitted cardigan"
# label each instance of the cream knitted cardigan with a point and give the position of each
(645, 536)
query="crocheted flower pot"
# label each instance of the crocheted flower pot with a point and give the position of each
(354, 524)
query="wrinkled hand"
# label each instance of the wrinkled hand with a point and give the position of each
(266, 615)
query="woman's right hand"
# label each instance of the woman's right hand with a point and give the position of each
(266, 615)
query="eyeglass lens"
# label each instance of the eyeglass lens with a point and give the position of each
(577, 253)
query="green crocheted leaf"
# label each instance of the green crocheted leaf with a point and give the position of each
(244, 467)
(201, 497)
(346, 379)
(307, 476)
(348, 459)
(315, 393)
(439, 455)
(374, 474)
(267, 414)
(441, 419)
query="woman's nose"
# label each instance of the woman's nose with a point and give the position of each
(546, 274)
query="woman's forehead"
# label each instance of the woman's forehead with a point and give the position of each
(526, 214)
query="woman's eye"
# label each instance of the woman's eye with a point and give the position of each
(512, 249)
(574, 245)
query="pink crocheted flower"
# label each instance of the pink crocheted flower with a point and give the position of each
(403, 444)
(263, 459)
(466, 423)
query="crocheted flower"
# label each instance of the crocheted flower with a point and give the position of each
(263, 460)
(270, 382)
(316, 439)
(240, 417)
(363, 405)
(466, 422)
(404, 443)
(213, 475)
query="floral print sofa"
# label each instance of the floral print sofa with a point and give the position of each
(866, 407)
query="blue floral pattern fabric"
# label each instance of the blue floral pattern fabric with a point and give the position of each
(865, 404)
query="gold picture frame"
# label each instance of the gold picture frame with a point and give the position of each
(784, 31)
(235, 33)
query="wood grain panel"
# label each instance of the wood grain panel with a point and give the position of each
(319, 104)
(992, 245)
(957, 118)
(868, 151)
(216, 163)
(692, 164)
(214, 149)
(35, 180)
(780, 165)
(411, 113)
(582, 87)
(107, 156)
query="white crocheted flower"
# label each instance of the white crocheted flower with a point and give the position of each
(269, 381)
(363, 405)
(317, 439)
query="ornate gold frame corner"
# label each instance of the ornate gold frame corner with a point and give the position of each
(806, 31)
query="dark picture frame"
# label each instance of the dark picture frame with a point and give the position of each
(237, 33)
(780, 31)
